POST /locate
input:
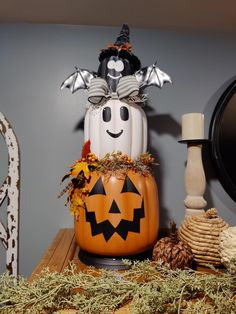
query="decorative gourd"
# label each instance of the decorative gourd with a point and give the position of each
(120, 216)
(173, 251)
(228, 247)
(116, 126)
(201, 233)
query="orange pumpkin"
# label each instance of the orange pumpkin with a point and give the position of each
(120, 216)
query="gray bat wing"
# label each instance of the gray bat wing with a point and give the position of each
(80, 79)
(152, 75)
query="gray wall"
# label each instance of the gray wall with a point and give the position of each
(35, 59)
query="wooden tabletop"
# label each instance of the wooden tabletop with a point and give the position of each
(64, 249)
(58, 255)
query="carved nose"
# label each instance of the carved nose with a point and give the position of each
(114, 208)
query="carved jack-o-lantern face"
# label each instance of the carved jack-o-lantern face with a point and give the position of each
(123, 216)
(116, 126)
(120, 215)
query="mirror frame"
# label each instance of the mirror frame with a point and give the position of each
(214, 131)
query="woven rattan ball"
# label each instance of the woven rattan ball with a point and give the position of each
(201, 233)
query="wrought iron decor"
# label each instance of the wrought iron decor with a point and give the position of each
(10, 189)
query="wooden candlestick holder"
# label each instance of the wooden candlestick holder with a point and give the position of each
(195, 180)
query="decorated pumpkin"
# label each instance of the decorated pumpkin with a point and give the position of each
(115, 120)
(117, 60)
(116, 126)
(227, 247)
(201, 233)
(113, 194)
(173, 251)
(120, 215)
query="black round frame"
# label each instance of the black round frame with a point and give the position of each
(228, 184)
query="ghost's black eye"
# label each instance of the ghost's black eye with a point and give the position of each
(124, 113)
(106, 114)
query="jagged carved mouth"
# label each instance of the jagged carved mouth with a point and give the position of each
(124, 227)
(115, 135)
(114, 77)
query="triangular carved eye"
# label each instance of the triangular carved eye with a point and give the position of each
(129, 186)
(98, 188)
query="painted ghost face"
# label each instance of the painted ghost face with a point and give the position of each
(112, 69)
(116, 126)
(122, 114)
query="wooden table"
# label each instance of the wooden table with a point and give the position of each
(58, 255)
(62, 251)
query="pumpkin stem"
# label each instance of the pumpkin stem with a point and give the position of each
(211, 213)
(173, 233)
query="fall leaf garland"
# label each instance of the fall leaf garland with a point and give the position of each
(79, 174)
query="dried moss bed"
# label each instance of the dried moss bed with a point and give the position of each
(118, 162)
(153, 288)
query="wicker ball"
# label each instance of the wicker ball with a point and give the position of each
(201, 233)
(227, 246)
(173, 251)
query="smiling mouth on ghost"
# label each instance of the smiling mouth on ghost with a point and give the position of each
(114, 77)
(115, 135)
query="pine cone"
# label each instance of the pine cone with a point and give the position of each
(173, 251)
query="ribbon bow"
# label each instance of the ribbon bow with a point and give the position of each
(99, 92)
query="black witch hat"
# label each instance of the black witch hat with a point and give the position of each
(122, 49)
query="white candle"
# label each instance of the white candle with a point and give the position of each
(193, 126)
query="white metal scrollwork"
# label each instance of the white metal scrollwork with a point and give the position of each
(10, 189)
